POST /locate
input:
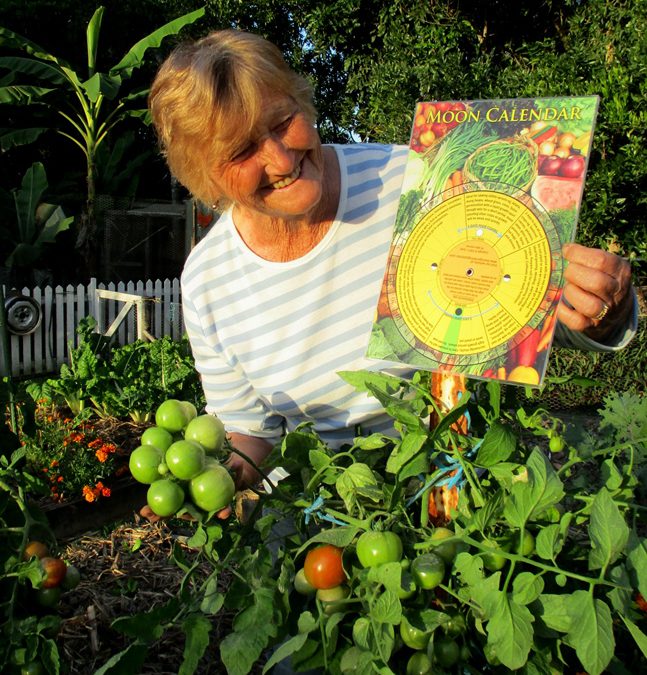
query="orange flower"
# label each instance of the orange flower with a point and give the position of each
(105, 492)
(101, 455)
(88, 493)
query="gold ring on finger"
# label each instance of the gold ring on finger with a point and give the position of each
(602, 313)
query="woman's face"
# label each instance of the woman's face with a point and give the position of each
(278, 171)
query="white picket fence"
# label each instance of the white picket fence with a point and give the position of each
(47, 348)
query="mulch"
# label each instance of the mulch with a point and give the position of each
(125, 571)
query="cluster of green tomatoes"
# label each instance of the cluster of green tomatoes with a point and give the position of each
(323, 576)
(178, 459)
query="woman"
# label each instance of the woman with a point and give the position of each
(280, 296)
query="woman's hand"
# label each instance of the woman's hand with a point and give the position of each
(598, 296)
(257, 449)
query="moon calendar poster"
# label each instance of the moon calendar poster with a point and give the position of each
(491, 192)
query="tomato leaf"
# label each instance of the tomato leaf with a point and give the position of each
(637, 634)
(549, 542)
(526, 588)
(405, 451)
(213, 599)
(553, 612)
(591, 633)
(608, 531)
(129, 660)
(387, 608)
(337, 536)
(543, 489)
(252, 629)
(148, 626)
(498, 444)
(355, 660)
(286, 650)
(355, 476)
(387, 574)
(637, 561)
(510, 631)
(196, 627)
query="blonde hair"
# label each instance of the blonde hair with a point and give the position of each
(207, 97)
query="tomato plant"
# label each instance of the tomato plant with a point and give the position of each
(444, 549)
(332, 599)
(323, 567)
(376, 548)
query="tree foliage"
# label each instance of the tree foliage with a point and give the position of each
(370, 62)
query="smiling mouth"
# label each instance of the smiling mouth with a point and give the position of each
(284, 182)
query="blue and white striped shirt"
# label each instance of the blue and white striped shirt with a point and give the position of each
(269, 337)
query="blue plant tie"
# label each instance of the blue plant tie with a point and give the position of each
(315, 509)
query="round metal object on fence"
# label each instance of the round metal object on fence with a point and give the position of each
(23, 314)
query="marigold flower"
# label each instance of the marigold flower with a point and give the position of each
(106, 492)
(88, 493)
(101, 455)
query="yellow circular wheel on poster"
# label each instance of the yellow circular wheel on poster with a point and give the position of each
(475, 270)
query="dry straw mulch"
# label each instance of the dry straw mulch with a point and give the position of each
(124, 572)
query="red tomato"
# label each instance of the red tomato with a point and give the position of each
(442, 106)
(439, 129)
(55, 569)
(323, 567)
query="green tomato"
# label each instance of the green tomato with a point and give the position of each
(190, 410)
(171, 415)
(407, 585)
(556, 443)
(412, 636)
(447, 653)
(455, 625)
(492, 559)
(143, 463)
(165, 497)
(446, 550)
(32, 668)
(213, 489)
(72, 578)
(377, 548)
(185, 459)
(332, 599)
(49, 597)
(527, 544)
(561, 580)
(302, 585)
(418, 664)
(160, 438)
(207, 430)
(428, 570)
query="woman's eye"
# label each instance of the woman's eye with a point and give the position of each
(243, 153)
(284, 124)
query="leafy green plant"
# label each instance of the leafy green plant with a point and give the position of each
(29, 224)
(128, 381)
(97, 98)
(544, 566)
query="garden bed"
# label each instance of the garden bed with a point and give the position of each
(125, 571)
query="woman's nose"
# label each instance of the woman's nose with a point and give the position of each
(277, 156)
